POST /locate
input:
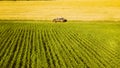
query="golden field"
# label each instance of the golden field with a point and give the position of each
(72, 10)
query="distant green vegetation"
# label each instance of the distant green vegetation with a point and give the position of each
(41, 44)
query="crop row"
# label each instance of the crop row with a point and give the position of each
(48, 45)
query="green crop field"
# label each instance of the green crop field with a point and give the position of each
(75, 44)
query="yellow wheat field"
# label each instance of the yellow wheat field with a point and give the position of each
(72, 10)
